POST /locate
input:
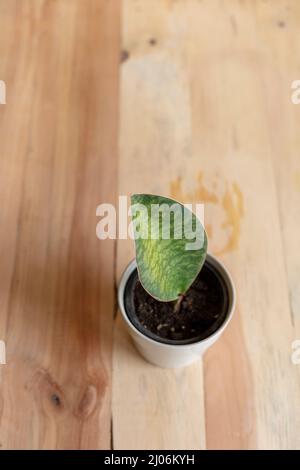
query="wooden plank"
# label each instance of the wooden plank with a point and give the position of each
(196, 124)
(283, 120)
(157, 411)
(163, 409)
(58, 162)
(253, 360)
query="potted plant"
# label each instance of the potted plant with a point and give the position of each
(175, 298)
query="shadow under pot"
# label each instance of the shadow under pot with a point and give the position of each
(169, 337)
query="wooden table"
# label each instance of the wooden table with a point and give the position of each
(185, 98)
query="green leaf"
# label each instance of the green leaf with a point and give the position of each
(170, 244)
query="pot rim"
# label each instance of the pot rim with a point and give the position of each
(231, 305)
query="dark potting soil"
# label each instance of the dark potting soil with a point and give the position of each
(202, 310)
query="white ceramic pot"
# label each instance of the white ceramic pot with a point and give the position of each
(171, 355)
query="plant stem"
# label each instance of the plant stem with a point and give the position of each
(178, 303)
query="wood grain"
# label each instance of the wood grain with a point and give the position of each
(254, 359)
(58, 162)
(199, 83)
(164, 409)
(205, 116)
(284, 118)
(161, 408)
